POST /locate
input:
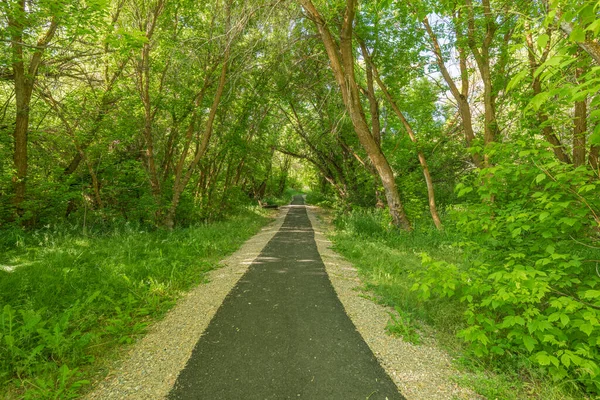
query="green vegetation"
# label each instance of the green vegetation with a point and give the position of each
(474, 124)
(516, 296)
(72, 297)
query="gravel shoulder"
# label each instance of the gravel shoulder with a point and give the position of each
(151, 366)
(419, 372)
(149, 369)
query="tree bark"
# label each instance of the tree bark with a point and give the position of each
(24, 80)
(422, 160)
(375, 118)
(182, 180)
(342, 65)
(285, 168)
(148, 26)
(460, 96)
(547, 130)
(482, 58)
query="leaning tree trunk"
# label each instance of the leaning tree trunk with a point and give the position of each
(342, 65)
(461, 96)
(422, 160)
(182, 180)
(547, 130)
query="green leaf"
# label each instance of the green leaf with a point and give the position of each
(540, 178)
(542, 41)
(595, 137)
(591, 294)
(586, 328)
(465, 190)
(529, 343)
(586, 188)
(516, 79)
(594, 27)
(538, 100)
(577, 35)
(554, 317)
(542, 358)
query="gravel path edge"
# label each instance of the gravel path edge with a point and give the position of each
(419, 372)
(151, 366)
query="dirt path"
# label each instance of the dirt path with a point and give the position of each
(282, 333)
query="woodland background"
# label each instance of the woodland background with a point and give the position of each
(456, 140)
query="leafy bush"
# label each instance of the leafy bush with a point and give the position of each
(532, 287)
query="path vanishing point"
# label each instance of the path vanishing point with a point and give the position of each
(282, 333)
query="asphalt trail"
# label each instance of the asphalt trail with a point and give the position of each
(282, 333)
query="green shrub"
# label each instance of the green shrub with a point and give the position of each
(71, 297)
(531, 288)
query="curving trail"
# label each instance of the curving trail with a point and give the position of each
(282, 333)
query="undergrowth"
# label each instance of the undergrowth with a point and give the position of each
(69, 298)
(392, 265)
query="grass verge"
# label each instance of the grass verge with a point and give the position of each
(385, 259)
(66, 300)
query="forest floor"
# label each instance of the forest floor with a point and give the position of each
(283, 318)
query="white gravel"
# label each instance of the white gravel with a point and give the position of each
(420, 372)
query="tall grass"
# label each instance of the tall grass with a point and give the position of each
(70, 297)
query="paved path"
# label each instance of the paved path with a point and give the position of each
(282, 333)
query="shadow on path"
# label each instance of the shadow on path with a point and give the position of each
(282, 333)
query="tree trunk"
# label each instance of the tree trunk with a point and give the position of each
(375, 120)
(429, 182)
(482, 58)
(342, 65)
(23, 91)
(24, 79)
(460, 96)
(287, 162)
(181, 180)
(148, 26)
(149, 156)
(547, 130)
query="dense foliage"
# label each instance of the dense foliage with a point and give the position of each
(473, 120)
(74, 297)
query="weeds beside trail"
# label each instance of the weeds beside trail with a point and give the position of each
(71, 298)
(392, 266)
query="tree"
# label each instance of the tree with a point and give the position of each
(25, 70)
(341, 58)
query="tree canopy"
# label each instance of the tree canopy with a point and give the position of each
(479, 116)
